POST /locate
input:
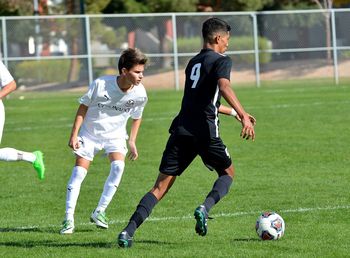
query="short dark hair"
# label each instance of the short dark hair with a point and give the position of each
(212, 26)
(131, 57)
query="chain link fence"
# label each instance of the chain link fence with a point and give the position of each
(66, 52)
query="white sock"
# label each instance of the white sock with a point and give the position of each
(10, 154)
(73, 190)
(111, 184)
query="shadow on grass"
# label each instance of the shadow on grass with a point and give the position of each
(21, 230)
(55, 244)
(31, 244)
(58, 244)
(248, 239)
(38, 230)
(154, 242)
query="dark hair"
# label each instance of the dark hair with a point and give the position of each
(131, 57)
(213, 26)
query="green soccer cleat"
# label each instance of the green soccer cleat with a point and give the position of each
(201, 216)
(67, 227)
(39, 165)
(100, 219)
(124, 239)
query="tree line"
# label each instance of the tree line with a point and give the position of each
(26, 7)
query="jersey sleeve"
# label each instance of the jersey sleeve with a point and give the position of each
(86, 99)
(223, 67)
(5, 76)
(137, 113)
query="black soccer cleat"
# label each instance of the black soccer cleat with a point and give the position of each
(201, 216)
(124, 239)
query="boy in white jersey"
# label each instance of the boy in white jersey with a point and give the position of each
(7, 85)
(100, 123)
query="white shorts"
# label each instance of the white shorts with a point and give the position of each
(2, 118)
(89, 146)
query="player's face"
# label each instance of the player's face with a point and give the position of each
(223, 40)
(135, 74)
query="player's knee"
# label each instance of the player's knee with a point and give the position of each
(77, 177)
(162, 185)
(116, 172)
(4, 154)
(230, 171)
(159, 190)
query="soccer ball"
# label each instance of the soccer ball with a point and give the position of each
(270, 226)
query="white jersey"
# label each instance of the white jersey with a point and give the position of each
(109, 108)
(5, 76)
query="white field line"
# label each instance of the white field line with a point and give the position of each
(217, 215)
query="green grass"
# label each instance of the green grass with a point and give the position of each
(299, 166)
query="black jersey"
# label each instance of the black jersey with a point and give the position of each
(199, 109)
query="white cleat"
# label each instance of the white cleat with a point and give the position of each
(67, 227)
(100, 219)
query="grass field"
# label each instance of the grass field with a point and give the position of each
(299, 166)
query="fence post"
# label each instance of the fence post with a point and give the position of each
(88, 48)
(256, 50)
(4, 40)
(175, 52)
(335, 53)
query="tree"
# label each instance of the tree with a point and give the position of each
(289, 5)
(340, 3)
(168, 6)
(16, 7)
(152, 6)
(72, 7)
(326, 5)
(93, 6)
(129, 6)
(237, 5)
(172, 5)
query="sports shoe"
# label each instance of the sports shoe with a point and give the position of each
(201, 216)
(124, 239)
(67, 227)
(38, 164)
(100, 219)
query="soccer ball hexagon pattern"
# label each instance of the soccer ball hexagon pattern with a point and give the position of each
(270, 226)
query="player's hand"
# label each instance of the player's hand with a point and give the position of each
(251, 118)
(74, 143)
(132, 155)
(247, 128)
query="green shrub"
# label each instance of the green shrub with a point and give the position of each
(44, 71)
(188, 45)
(345, 54)
(247, 43)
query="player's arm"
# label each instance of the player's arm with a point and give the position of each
(133, 154)
(232, 112)
(8, 89)
(79, 118)
(227, 111)
(226, 91)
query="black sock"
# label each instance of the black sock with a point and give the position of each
(141, 213)
(219, 190)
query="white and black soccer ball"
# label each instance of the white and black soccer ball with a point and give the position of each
(270, 226)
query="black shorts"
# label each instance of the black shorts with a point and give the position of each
(181, 150)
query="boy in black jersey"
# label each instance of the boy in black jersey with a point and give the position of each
(195, 129)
